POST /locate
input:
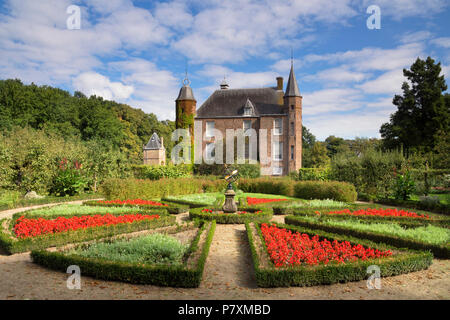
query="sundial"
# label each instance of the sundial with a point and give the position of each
(231, 175)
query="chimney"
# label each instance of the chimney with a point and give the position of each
(279, 83)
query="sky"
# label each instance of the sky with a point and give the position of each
(137, 52)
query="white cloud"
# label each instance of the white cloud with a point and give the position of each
(415, 36)
(331, 100)
(336, 76)
(441, 42)
(91, 83)
(388, 83)
(400, 9)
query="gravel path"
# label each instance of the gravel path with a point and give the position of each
(228, 275)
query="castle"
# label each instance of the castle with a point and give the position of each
(271, 108)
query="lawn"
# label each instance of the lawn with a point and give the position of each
(69, 209)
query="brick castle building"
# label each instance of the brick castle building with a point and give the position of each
(271, 108)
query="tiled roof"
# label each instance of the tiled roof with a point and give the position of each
(231, 103)
(154, 143)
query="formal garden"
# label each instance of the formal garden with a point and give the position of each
(299, 232)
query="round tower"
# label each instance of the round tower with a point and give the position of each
(185, 110)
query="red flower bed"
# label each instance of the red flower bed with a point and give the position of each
(26, 228)
(253, 201)
(287, 248)
(137, 202)
(221, 212)
(379, 213)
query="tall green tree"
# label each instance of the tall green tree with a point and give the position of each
(422, 110)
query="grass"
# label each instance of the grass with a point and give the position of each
(14, 199)
(152, 249)
(327, 203)
(428, 234)
(68, 209)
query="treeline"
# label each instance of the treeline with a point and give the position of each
(79, 118)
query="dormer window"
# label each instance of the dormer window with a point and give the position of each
(249, 109)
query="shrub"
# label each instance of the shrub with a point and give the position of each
(245, 170)
(339, 191)
(152, 249)
(404, 186)
(146, 189)
(159, 172)
(68, 181)
(281, 186)
(314, 174)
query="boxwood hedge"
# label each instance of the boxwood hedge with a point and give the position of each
(404, 261)
(173, 208)
(231, 218)
(161, 275)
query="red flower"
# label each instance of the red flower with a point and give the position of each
(25, 228)
(379, 213)
(287, 248)
(253, 201)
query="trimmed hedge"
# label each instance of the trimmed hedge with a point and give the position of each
(284, 209)
(50, 199)
(189, 204)
(148, 189)
(440, 251)
(279, 186)
(172, 208)
(231, 218)
(339, 191)
(404, 262)
(245, 170)
(159, 172)
(161, 275)
(419, 205)
(13, 245)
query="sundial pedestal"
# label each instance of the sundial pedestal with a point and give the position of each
(229, 205)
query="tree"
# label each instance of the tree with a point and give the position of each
(308, 139)
(316, 156)
(335, 145)
(422, 110)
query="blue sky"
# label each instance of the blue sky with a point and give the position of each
(136, 51)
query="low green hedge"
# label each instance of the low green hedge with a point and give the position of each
(279, 186)
(403, 262)
(188, 204)
(440, 251)
(152, 189)
(419, 205)
(159, 172)
(19, 203)
(172, 208)
(161, 275)
(13, 245)
(335, 190)
(231, 218)
(284, 209)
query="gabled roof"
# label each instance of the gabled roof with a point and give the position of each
(292, 86)
(154, 143)
(231, 103)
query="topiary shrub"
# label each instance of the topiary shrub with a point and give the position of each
(339, 191)
(283, 186)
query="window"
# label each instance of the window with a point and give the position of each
(210, 128)
(248, 111)
(277, 171)
(210, 151)
(247, 125)
(278, 126)
(292, 152)
(278, 151)
(292, 107)
(292, 128)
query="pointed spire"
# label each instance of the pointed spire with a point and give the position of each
(292, 87)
